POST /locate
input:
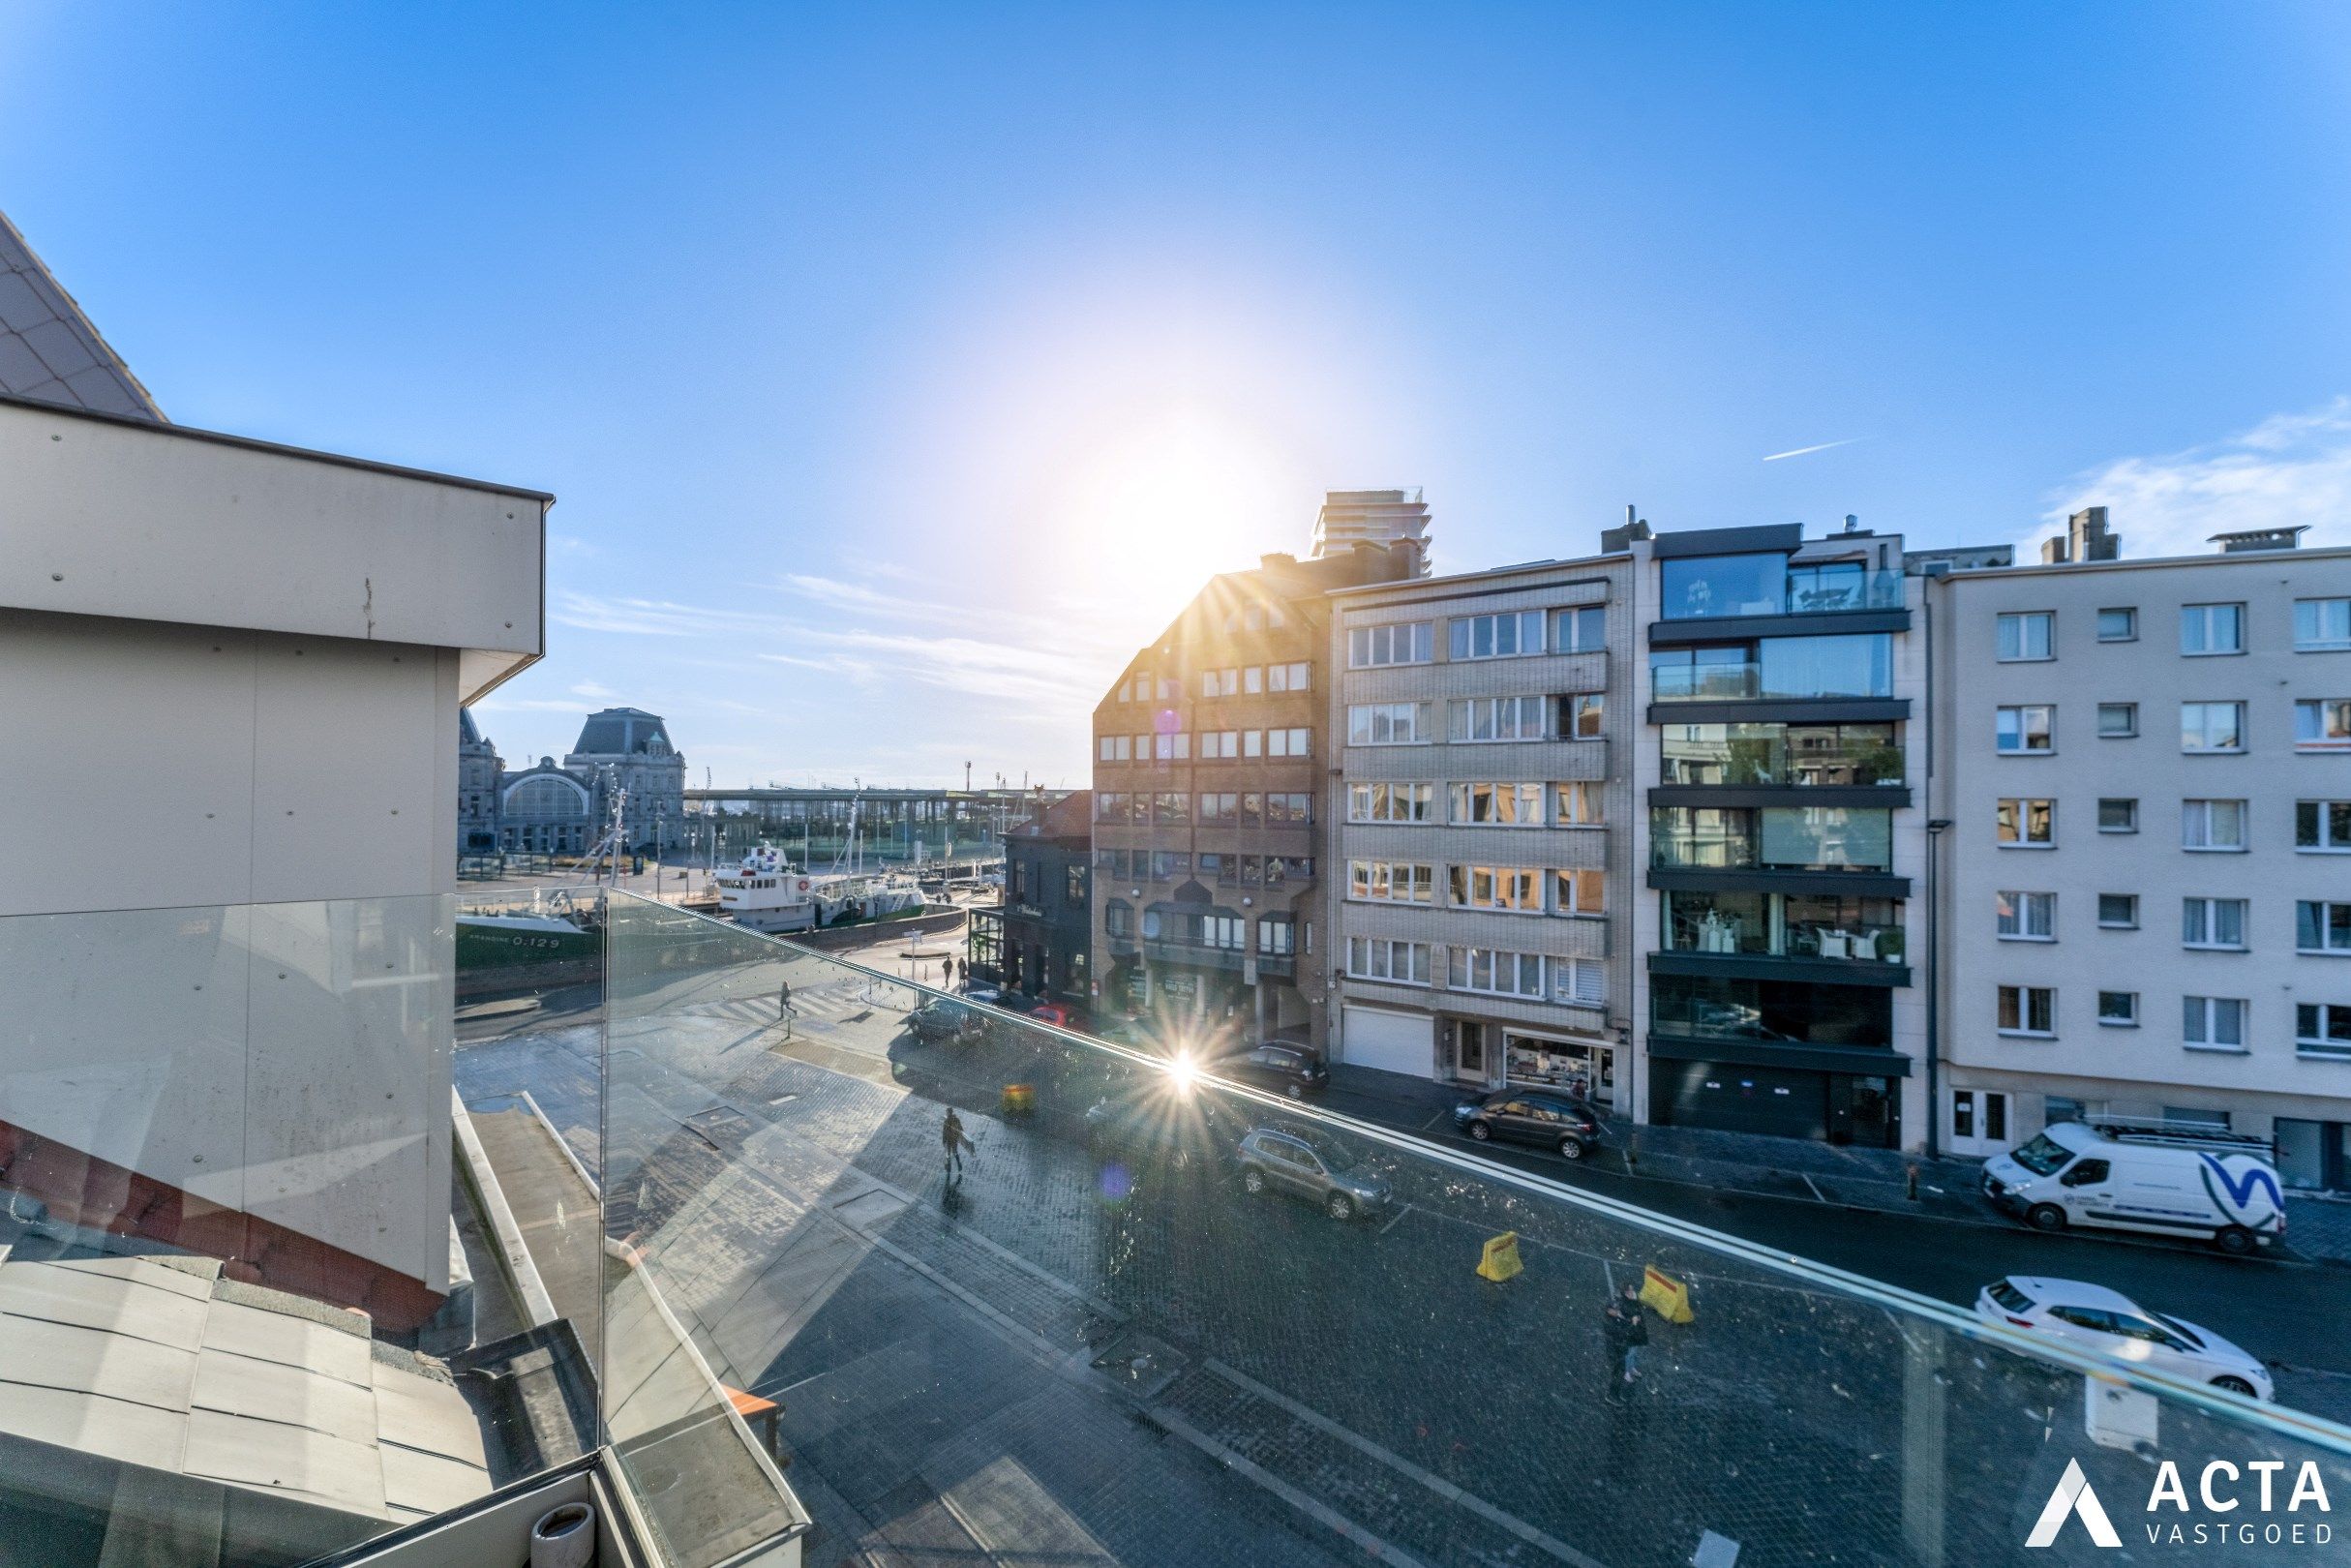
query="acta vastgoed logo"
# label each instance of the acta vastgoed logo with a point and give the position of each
(2073, 1497)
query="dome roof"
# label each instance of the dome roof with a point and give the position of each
(619, 732)
(466, 733)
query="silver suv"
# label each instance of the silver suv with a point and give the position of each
(1315, 1168)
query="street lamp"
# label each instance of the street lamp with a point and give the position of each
(1935, 829)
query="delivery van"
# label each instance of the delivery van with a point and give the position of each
(2156, 1178)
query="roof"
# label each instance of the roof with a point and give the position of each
(1070, 817)
(466, 733)
(620, 732)
(49, 351)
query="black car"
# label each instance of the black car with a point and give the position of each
(940, 1021)
(1546, 1116)
(1295, 1072)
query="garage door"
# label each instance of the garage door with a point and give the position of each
(1733, 1099)
(1392, 1042)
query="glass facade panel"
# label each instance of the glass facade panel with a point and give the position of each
(1705, 1007)
(1772, 754)
(1774, 839)
(1799, 667)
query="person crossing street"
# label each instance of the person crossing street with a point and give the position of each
(955, 1144)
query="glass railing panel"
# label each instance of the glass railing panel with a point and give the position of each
(253, 1271)
(1726, 682)
(1022, 1295)
(1781, 755)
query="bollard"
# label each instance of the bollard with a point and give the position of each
(1914, 1184)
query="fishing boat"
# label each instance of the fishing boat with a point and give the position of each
(767, 893)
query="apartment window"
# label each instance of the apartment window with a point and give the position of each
(1172, 807)
(2213, 922)
(1579, 983)
(2323, 724)
(2322, 927)
(1576, 806)
(1388, 724)
(1252, 743)
(1220, 683)
(1511, 889)
(1142, 748)
(2026, 636)
(2321, 626)
(2322, 1029)
(1503, 636)
(1391, 802)
(2118, 816)
(1579, 892)
(2118, 625)
(1292, 809)
(1218, 808)
(1293, 676)
(2212, 629)
(1252, 680)
(1252, 809)
(2213, 1023)
(1401, 963)
(1404, 643)
(1220, 746)
(1287, 742)
(1695, 587)
(1167, 866)
(2028, 823)
(1115, 748)
(1109, 805)
(1498, 805)
(2212, 824)
(2119, 1010)
(2027, 916)
(2118, 912)
(2024, 731)
(1391, 880)
(1581, 716)
(1496, 719)
(1175, 747)
(2211, 726)
(2322, 826)
(1496, 973)
(1277, 936)
(2117, 721)
(2027, 1010)
(1582, 630)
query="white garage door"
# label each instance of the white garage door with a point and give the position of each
(1394, 1041)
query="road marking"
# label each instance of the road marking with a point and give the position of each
(1816, 1192)
(1392, 1223)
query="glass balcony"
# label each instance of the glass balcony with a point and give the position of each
(1784, 925)
(1713, 588)
(1776, 669)
(1782, 754)
(1773, 838)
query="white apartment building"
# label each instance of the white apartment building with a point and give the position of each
(2148, 768)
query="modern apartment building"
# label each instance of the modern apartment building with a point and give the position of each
(2147, 765)
(1209, 760)
(1780, 767)
(1480, 875)
(1375, 517)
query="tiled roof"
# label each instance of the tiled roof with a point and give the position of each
(48, 349)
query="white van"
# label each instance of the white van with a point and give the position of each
(2169, 1181)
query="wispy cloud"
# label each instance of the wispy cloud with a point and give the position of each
(841, 595)
(594, 692)
(1806, 451)
(2290, 468)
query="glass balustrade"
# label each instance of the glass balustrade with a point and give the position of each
(1782, 754)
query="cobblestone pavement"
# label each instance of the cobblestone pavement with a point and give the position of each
(1132, 1361)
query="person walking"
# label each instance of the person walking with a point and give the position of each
(953, 1140)
(1626, 1330)
(783, 1001)
(946, 973)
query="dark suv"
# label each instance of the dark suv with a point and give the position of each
(1543, 1116)
(1294, 1072)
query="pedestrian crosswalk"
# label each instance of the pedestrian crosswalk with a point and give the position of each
(815, 1004)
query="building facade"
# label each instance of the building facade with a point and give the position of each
(565, 809)
(1479, 880)
(1046, 946)
(1209, 758)
(1372, 517)
(2147, 765)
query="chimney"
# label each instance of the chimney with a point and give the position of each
(2087, 536)
(2254, 539)
(1615, 541)
(1852, 524)
(2052, 551)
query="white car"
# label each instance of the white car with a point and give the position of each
(2108, 1321)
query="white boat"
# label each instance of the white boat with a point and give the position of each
(767, 893)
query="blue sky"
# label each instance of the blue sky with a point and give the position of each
(900, 368)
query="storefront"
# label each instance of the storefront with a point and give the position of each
(1582, 1067)
(1777, 1100)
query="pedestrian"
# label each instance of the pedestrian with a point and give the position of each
(783, 1001)
(947, 971)
(1626, 1330)
(953, 1140)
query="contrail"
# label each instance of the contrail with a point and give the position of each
(1822, 447)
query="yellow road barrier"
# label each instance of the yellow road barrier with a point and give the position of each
(1666, 1296)
(1500, 1260)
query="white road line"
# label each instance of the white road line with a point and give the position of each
(1816, 1192)
(1399, 1215)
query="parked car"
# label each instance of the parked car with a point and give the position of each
(1290, 1069)
(1150, 1119)
(1054, 1014)
(2109, 1321)
(1537, 1116)
(2165, 1181)
(1306, 1166)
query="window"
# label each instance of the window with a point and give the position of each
(1506, 635)
(2213, 922)
(1142, 748)
(2211, 726)
(1579, 716)
(1168, 865)
(1287, 742)
(1391, 802)
(1404, 963)
(2026, 636)
(2212, 824)
(2119, 1010)
(1500, 974)
(1219, 806)
(1277, 936)
(1498, 805)
(1497, 718)
(1513, 889)
(1388, 724)
(1220, 683)
(2118, 816)
(1115, 748)
(2322, 826)
(1252, 809)
(2023, 731)
(2323, 724)
(1703, 586)
(1582, 630)
(1859, 665)
(1579, 983)
(2320, 927)
(1404, 643)
(1174, 747)
(2321, 624)
(1220, 744)
(1291, 809)
(1962, 1113)
(1073, 888)
(1252, 743)
(2212, 629)
(2027, 916)
(2027, 1010)
(2117, 721)
(2028, 823)
(2117, 625)
(1293, 676)
(2213, 1023)
(1171, 807)
(1109, 805)
(1252, 680)
(2118, 912)
(1576, 806)
(2322, 1029)
(1579, 892)
(1391, 880)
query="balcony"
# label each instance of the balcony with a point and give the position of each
(1714, 596)
(1841, 940)
(1757, 764)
